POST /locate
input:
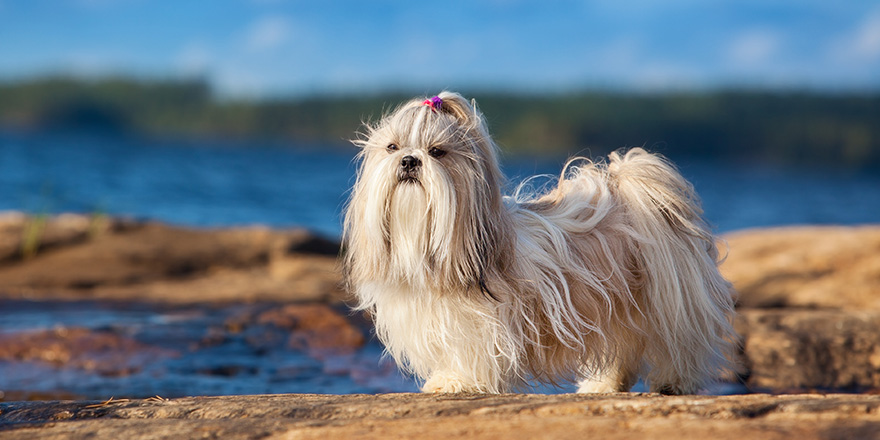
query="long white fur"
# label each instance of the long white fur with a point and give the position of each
(611, 274)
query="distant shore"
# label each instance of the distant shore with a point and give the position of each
(791, 127)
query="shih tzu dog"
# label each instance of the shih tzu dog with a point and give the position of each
(610, 275)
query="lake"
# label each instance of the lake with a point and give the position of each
(224, 183)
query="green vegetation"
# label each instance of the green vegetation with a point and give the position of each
(784, 126)
(32, 236)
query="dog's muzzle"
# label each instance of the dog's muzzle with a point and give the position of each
(409, 169)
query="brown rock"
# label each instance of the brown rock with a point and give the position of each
(104, 352)
(23, 236)
(616, 416)
(809, 305)
(814, 267)
(148, 253)
(83, 257)
(821, 349)
(316, 328)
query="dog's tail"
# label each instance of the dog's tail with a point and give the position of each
(689, 304)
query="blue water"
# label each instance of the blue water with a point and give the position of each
(194, 352)
(204, 183)
(223, 183)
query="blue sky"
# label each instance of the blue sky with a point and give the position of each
(266, 47)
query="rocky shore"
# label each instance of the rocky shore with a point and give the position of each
(419, 416)
(74, 257)
(808, 316)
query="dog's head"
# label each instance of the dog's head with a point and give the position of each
(427, 204)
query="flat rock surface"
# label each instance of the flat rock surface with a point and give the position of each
(451, 416)
(79, 257)
(805, 267)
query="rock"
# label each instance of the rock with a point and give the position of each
(80, 257)
(12, 225)
(809, 309)
(149, 253)
(812, 267)
(616, 416)
(24, 236)
(103, 352)
(811, 349)
(316, 328)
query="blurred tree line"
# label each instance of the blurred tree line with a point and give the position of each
(776, 126)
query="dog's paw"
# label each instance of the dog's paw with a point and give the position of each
(445, 383)
(615, 382)
(596, 386)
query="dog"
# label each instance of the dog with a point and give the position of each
(610, 275)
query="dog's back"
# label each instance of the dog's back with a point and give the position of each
(626, 270)
(690, 303)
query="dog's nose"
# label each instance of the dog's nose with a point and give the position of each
(409, 163)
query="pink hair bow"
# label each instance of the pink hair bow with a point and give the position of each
(434, 102)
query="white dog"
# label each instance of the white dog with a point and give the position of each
(610, 275)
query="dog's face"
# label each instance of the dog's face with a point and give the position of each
(422, 147)
(427, 196)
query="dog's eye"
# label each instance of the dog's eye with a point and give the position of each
(436, 152)
(392, 147)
